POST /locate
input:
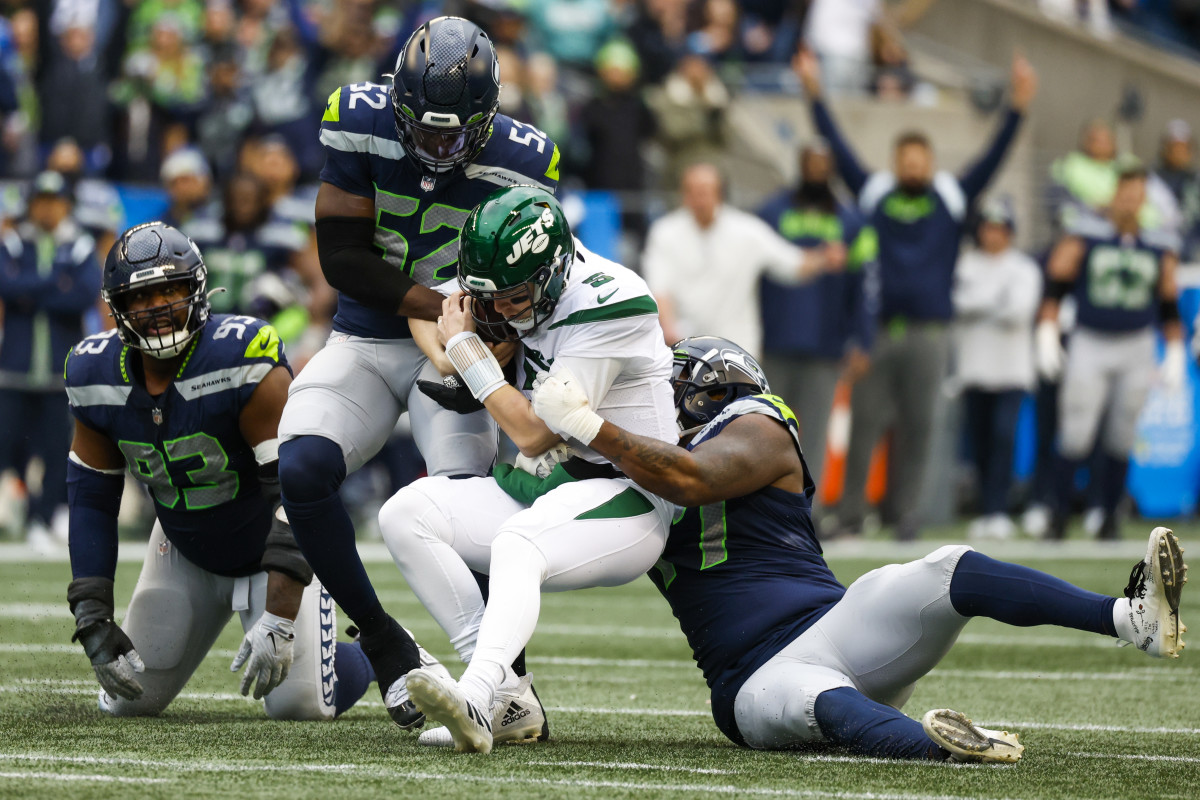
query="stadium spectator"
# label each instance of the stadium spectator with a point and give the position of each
(98, 206)
(919, 216)
(719, 36)
(283, 100)
(572, 31)
(548, 110)
(690, 112)
(659, 34)
(997, 289)
(188, 181)
(1177, 169)
(227, 112)
(616, 122)
(74, 69)
(816, 333)
(49, 277)
(839, 32)
(703, 262)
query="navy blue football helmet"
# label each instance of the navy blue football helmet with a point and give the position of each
(445, 92)
(710, 373)
(151, 255)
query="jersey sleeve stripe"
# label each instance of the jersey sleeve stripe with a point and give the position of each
(222, 380)
(369, 143)
(501, 176)
(98, 395)
(634, 307)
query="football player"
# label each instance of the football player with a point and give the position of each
(524, 277)
(405, 164)
(189, 402)
(1123, 281)
(791, 656)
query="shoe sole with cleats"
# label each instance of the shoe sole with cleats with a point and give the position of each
(966, 741)
(1165, 559)
(435, 699)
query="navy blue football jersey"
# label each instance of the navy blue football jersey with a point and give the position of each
(745, 577)
(1117, 286)
(417, 225)
(185, 444)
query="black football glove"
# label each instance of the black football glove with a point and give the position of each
(109, 649)
(451, 394)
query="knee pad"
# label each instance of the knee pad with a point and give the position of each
(311, 468)
(162, 625)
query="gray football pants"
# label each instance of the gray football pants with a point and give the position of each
(1104, 372)
(900, 392)
(176, 614)
(893, 626)
(353, 391)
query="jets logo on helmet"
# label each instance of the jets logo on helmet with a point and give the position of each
(151, 260)
(710, 373)
(513, 255)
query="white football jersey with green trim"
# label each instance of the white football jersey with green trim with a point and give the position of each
(607, 313)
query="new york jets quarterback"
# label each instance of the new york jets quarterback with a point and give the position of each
(525, 277)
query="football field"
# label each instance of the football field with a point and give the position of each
(628, 709)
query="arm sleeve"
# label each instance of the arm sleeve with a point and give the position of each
(349, 261)
(848, 165)
(977, 176)
(93, 500)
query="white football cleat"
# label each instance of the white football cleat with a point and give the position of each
(396, 700)
(442, 701)
(966, 741)
(517, 718)
(1155, 585)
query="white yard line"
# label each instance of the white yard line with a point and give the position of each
(1140, 757)
(695, 789)
(25, 775)
(633, 766)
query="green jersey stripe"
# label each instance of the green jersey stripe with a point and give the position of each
(635, 307)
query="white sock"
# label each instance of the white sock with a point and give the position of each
(514, 601)
(1121, 621)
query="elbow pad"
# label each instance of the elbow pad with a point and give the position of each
(282, 554)
(353, 266)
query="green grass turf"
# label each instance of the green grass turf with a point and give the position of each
(606, 738)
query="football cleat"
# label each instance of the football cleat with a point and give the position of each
(967, 742)
(517, 718)
(442, 700)
(390, 654)
(1155, 586)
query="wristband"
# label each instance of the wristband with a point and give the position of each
(475, 363)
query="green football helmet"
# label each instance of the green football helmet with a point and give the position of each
(516, 243)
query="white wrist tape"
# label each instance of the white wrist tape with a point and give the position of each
(475, 363)
(267, 451)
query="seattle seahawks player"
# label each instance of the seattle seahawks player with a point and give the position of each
(1122, 278)
(791, 656)
(404, 166)
(525, 277)
(190, 404)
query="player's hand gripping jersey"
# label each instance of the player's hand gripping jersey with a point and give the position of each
(185, 444)
(417, 227)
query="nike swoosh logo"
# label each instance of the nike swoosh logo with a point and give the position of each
(601, 300)
(271, 636)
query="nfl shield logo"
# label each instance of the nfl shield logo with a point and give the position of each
(427, 183)
(156, 415)
(164, 548)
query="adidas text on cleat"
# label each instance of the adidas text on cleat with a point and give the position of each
(517, 718)
(968, 742)
(441, 700)
(1151, 617)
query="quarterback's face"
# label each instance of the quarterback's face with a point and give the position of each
(515, 307)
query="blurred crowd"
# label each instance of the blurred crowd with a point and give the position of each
(204, 113)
